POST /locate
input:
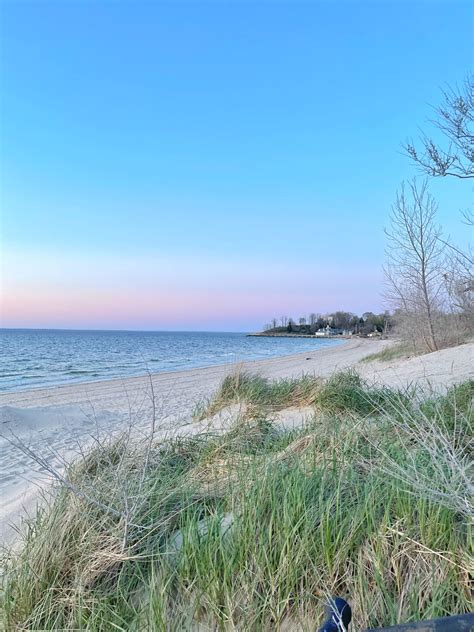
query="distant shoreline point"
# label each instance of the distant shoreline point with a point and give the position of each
(263, 334)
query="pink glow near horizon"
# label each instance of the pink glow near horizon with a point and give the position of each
(174, 292)
(151, 309)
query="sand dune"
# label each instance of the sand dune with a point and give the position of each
(60, 421)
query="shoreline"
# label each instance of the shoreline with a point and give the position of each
(60, 421)
(292, 365)
(145, 375)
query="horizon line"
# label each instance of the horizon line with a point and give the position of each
(177, 331)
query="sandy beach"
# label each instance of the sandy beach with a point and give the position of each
(58, 422)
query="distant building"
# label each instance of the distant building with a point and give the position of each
(328, 331)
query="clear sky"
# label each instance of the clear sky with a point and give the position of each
(207, 166)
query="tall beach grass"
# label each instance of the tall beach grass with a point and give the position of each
(253, 529)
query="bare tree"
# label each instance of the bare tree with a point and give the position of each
(415, 260)
(459, 282)
(342, 319)
(454, 119)
(459, 277)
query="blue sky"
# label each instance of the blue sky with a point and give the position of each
(211, 165)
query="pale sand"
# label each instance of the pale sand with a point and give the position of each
(58, 421)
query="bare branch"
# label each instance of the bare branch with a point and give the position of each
(454, 120)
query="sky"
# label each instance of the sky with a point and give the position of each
(209, 166)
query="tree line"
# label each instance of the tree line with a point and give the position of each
(340, 321)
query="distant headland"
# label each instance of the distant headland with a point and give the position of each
(339, 324)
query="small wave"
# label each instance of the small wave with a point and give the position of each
(78, 372)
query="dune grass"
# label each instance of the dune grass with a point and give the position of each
(251, 530)
(345, 391)
(261, 393)
(394, 352)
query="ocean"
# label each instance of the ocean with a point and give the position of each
(35, 358)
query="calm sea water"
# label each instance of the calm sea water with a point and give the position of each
(36, 358)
